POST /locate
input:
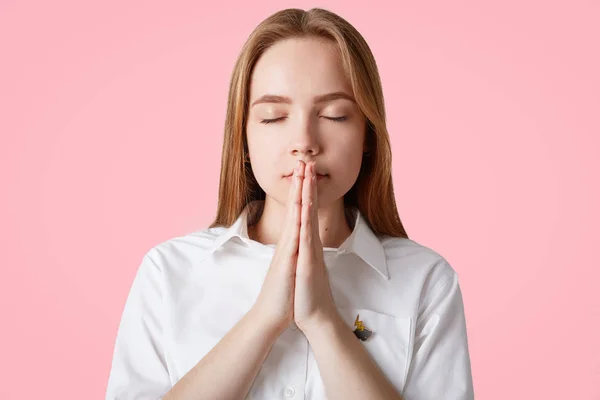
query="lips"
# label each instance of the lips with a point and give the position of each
(319, 176)
(292, 173)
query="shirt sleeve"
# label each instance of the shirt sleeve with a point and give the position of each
(440, 366)
(139, 369)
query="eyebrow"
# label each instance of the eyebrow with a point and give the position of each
(272, 98)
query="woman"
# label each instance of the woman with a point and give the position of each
(306, 285)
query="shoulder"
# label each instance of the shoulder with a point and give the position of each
(184, 251)
(421, 271)
(409, 257)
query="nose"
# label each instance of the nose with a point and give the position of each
(304, 143)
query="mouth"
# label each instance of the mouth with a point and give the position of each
(319, 177)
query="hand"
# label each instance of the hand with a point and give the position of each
(275, 301)
(313, 302)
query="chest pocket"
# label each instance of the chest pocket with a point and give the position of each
(388, 340)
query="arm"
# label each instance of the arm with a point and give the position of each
(346, 367)
(441, 365)
(139, 367)
(229, 369)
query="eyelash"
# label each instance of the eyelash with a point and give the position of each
(270, 121)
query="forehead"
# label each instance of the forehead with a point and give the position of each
(300, 69)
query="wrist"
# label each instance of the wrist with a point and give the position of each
(326, 324)
(270, 327)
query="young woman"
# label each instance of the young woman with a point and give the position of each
(306, 286)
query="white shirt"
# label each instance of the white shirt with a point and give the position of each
(189, 291)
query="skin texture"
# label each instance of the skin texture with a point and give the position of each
(302, 69)
(301, 215)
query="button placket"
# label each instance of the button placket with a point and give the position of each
(295, 355)
(289, 391)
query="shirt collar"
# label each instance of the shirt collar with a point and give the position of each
(362, 241)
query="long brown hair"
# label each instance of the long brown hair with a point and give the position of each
(372, 193)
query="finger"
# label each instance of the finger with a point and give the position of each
(307, 210)
(292, 230)
(292, 193)
(315, 213)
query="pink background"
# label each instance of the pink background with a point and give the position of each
(112, 116)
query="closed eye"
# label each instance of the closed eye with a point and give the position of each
(336, 119)
(269, 121)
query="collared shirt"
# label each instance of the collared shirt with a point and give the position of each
(189, 291)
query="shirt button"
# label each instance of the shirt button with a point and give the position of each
(290, 391)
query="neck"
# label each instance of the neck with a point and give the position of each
(333, 228)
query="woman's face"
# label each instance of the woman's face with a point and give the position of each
(284, 84)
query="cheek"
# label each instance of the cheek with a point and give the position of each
(263, 144)
(346, 154)
(267, 165)
(347, 164)
(351, 169)
(260, 153)
(344, 165)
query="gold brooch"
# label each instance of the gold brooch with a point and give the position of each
(361, 330)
